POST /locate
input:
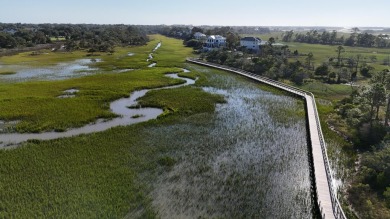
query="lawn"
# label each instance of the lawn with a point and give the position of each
(322, 53)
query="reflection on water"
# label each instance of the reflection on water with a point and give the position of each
(120, 107)
(239, 162)
(60, 71)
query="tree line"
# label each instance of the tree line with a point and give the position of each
(76, 36)
(331, 38)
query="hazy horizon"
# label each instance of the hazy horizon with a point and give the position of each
(305, 13)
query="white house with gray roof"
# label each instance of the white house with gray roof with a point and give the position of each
(251, 43)
(214, 42)
(200, 36)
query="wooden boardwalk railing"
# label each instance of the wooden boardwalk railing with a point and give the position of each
(326, 195)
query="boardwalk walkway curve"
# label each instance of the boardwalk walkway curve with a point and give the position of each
(327, 200)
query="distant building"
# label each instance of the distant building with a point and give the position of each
(200, 36)
(10, 31)
(251, 43)
(214, 42)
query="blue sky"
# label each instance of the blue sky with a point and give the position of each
(343, 13)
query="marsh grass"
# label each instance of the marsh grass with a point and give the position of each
(7, 72)
(234, 163)
(96, 175)
(341, 153)
(46, 58)
(171, 99)
(121, 60)
(173, 55)
(217, 153)
(47, 112)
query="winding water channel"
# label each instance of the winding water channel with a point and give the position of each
(120, 107)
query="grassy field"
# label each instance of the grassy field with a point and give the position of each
(322, 53)
(57, 39)
(332, 92)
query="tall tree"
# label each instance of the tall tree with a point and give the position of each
(309, 59)
(384, 77)
(232, 40)
(355, 29)
(287, 36)
(340, 49)
(376, 95)
(357, 60)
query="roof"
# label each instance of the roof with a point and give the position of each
(199, 34)
(250, 39)
(216, 37)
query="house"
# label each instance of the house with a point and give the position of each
(200, 36)
(10, 31)
(214, 42)
(251, 43)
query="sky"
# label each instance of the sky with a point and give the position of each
(335, 13)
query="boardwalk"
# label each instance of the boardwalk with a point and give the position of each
(326, 197)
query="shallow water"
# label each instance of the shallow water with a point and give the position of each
(123, 70)
(119, 107)
(60, 71)
(157, 47)
(152, 65)
(69, 93)
(154, 50)
(238, 163)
